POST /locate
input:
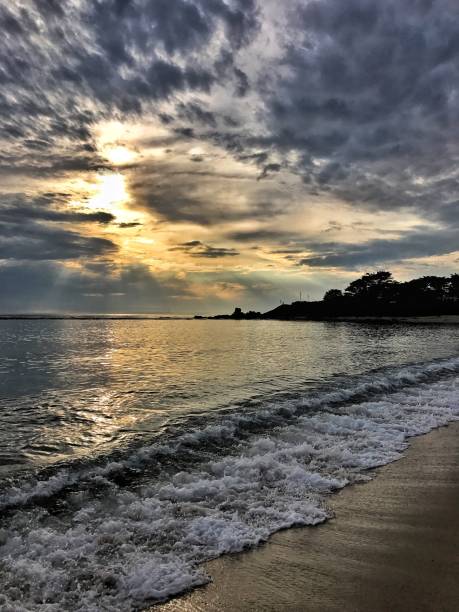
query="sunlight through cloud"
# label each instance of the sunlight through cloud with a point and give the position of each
(110, 191)
(120, 155)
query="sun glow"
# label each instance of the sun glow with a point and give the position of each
(110, 192)
(120, 155)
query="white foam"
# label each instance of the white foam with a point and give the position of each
(127, 548)
(227, 429)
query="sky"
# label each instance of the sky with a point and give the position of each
(191, 156)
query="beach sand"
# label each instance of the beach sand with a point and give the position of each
(393, 546)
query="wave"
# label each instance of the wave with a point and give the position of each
(193, 439)
(124, 543)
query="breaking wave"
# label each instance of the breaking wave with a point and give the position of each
(121, 534)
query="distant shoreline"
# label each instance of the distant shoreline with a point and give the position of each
(428, 319)
(373, 297)
(389, 320)
(107, 317)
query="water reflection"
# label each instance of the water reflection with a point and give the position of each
(78, 387)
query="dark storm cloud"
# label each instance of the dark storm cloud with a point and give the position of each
(193, 112)
(40, 242)
(370, 102)
(31, 229)
(63, 67)
(410, 245)
(25, 213)
(242, 82)
(118, 34)
(195, 248)
(361, 103)
(49, 164)
(178, 25)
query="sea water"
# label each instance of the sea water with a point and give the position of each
(133, 451)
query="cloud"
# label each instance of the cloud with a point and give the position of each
(49, 286)
(30, 229)
(38, 242)
(269, 168)
(129, 225)
(248, 119)
(369, 101)
(180, 190)
(24, 213)
(262, 235)
(195, 248)
(411, 245)
(64, 68)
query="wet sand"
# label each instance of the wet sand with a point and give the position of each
(393, 546)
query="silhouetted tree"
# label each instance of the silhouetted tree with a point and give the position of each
(375, 294)
(373, 285)
(453, 289)
(429, 286)
(332, 295)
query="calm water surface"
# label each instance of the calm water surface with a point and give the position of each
(78, 387)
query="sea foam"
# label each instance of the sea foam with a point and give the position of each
(124, 547)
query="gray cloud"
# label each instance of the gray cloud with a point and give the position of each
(129, 225)
(97, 288)
(413, 244)
(269, 168)
(263, 235)
(30, 229)
(38, 242)
(371, 94)
(204, 195)
(358, 99)
(196, 248)
(65, 67)
(24, 213)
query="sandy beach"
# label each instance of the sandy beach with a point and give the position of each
(392, 546)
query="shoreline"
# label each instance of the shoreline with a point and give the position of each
(390, 320)
(387, 320)
(392, 545)
(427, 320)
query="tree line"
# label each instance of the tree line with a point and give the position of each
(375, 294)
(379, 294)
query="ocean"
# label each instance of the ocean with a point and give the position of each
(132, 451)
